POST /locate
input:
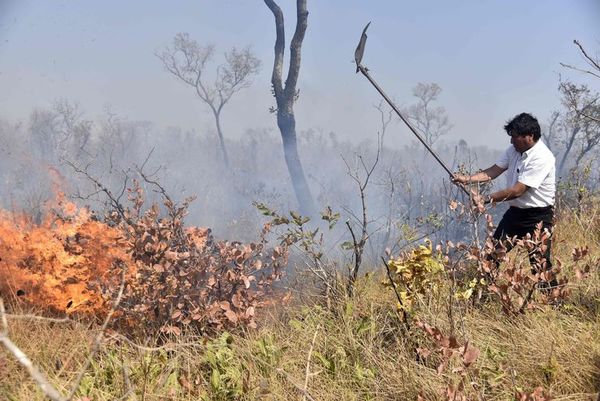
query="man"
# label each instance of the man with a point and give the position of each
(530, 189)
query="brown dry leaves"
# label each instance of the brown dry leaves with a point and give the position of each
(187, 279)
(448, 349)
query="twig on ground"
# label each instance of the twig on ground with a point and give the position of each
(310, 351)
(4, 321)
(43, 383)
(166, 347)
(293, 383)
(42, 318)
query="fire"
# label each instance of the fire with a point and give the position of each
(176, 276)
(66, 263)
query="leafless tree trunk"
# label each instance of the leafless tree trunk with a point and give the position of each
(285, 97)
(550, 134)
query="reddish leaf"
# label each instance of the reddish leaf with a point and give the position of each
(423, 352)
(232, 316)
(249, 312)
(171, 330)
(470, 355)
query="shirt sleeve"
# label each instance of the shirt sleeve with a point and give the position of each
(502, 162)
(534, 172)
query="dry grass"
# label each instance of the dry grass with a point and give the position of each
(359, 349)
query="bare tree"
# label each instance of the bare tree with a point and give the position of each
(579, 133)
(61, 132)
(431, 121)
(362, 181)
(286, 96)
(594, 70)
(578, 126)
(187, 60)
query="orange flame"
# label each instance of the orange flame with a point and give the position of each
(63, 264)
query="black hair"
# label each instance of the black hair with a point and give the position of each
(524, 124)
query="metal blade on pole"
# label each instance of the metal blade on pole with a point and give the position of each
(358, 55)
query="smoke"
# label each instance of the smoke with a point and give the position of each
(407, 195)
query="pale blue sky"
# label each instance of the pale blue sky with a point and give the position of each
(493, 59)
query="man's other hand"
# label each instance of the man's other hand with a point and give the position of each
(460, 179)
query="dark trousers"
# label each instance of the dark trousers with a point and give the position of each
(520, 222)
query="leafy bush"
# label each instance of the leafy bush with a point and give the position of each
(185, 278)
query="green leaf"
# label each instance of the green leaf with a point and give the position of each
(215, 380)
(296, 324)
(347, 245)
(330, 217)
(327, 363)
(295, 215)
(364, 326)
(264, 209)
(280, 220)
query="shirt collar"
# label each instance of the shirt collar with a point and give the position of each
(532, 149)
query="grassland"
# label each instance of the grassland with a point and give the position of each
(350, 349)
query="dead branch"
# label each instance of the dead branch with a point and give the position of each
(3, 316)
(592, 62)
(160, 189)
(113, 200)
(572, 67)
(42, 318)
(385, 117)
(308, 358)
(595, 64)
(304, 393)
(170, 346)
(359, 244)
(43, 383)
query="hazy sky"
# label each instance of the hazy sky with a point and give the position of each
(493, 59)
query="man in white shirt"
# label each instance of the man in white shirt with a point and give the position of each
(530, 189)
